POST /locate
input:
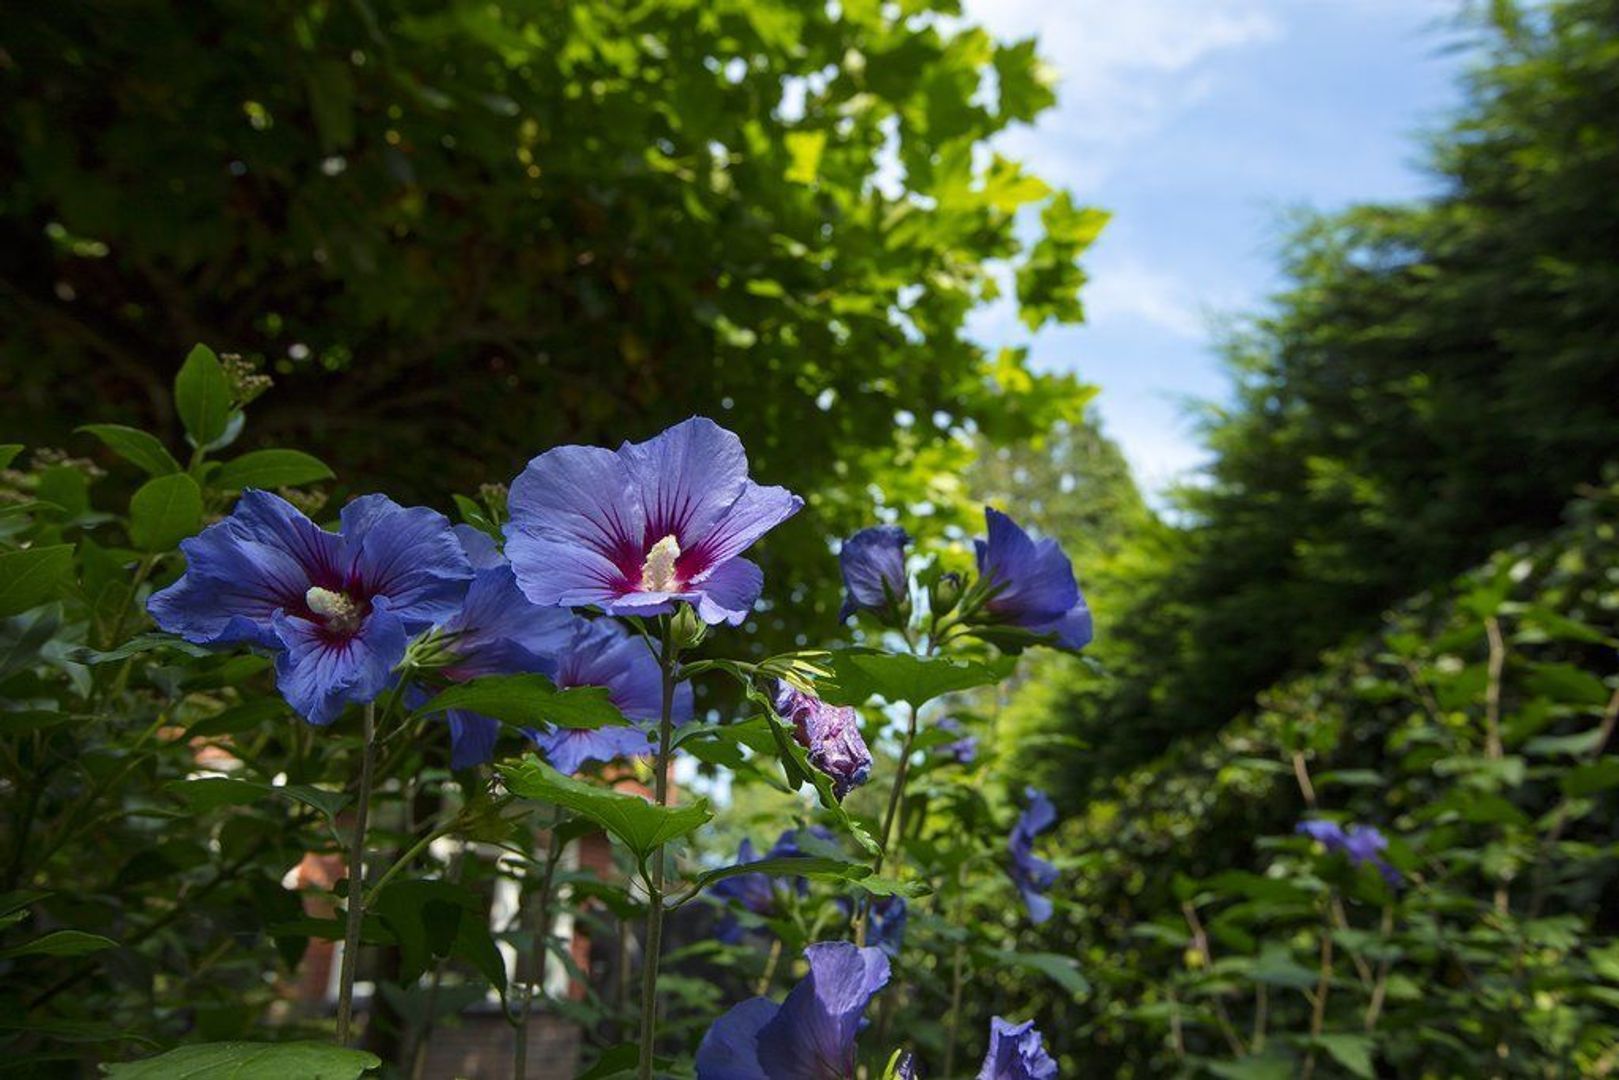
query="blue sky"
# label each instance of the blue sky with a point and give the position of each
(1199, 124)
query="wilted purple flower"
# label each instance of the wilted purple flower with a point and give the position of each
(337, 608)
(638, 530)
(1031, 584)
(831, 733)
(1015, 1053)
(873, 564)
(603, 653)
(964, 749)
(1032, 874)
(1363, 844)
(496, 632)
(809, 1036)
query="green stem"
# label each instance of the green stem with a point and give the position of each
(654, 912)
(895, 796)
(953, 1028)
(1318, 1007)
(356, 905)
(536, 961)
(408, 857)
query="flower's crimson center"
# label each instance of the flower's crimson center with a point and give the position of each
(339, 612)
(658, 572)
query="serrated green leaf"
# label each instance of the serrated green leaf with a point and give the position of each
(640, 824)
(136, 447)
(859, 674)
(165, 511)
(529, 700)
(270, 469)
(32, 576)
(202, 396)
(250, 1061)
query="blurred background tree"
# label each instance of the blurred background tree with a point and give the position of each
(458, 234)
(1436, 381)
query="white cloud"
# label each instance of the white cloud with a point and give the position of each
(1132, 291)
(1125, 67)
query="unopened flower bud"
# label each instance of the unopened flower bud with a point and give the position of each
(686, 630)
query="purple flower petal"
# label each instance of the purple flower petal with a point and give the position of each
(687, 478)
(1032, 583)
(319, 673)
(409, 555)
(873, 565)
(1033, 875)
(241, 571)
(581, 496)
(1016, 1053)
(730, 592)
(480, 547)
(757, 511)
(570, 749)
(642, 529)
(730, 1048)
(812, 1036)
(472, 738)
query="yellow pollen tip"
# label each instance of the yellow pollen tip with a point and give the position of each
(658, 572)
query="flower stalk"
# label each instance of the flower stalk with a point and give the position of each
(654, 912)
(356, 900)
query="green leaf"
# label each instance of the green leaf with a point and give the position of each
(614, 1061)
(1567, 683)
(202, 396)
(1276, 967)
(244, 717)
(529, 700)
(32, 576)
(250, 1061)
(140, 643)
(211, 793)
(1062, 970)
(165, 511)
(1271, 1065)
(1592, 778)
(270, 469)
(439, 919)
(1027, 84)
(1353, 1052)
(136, 447)
(887, 886)
(642, 825)
(60, 943)
(8, 453)
(916, 680)
(804, 148)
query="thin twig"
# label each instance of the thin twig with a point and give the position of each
(356, 897)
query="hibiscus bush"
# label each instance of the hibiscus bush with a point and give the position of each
(240, 719)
